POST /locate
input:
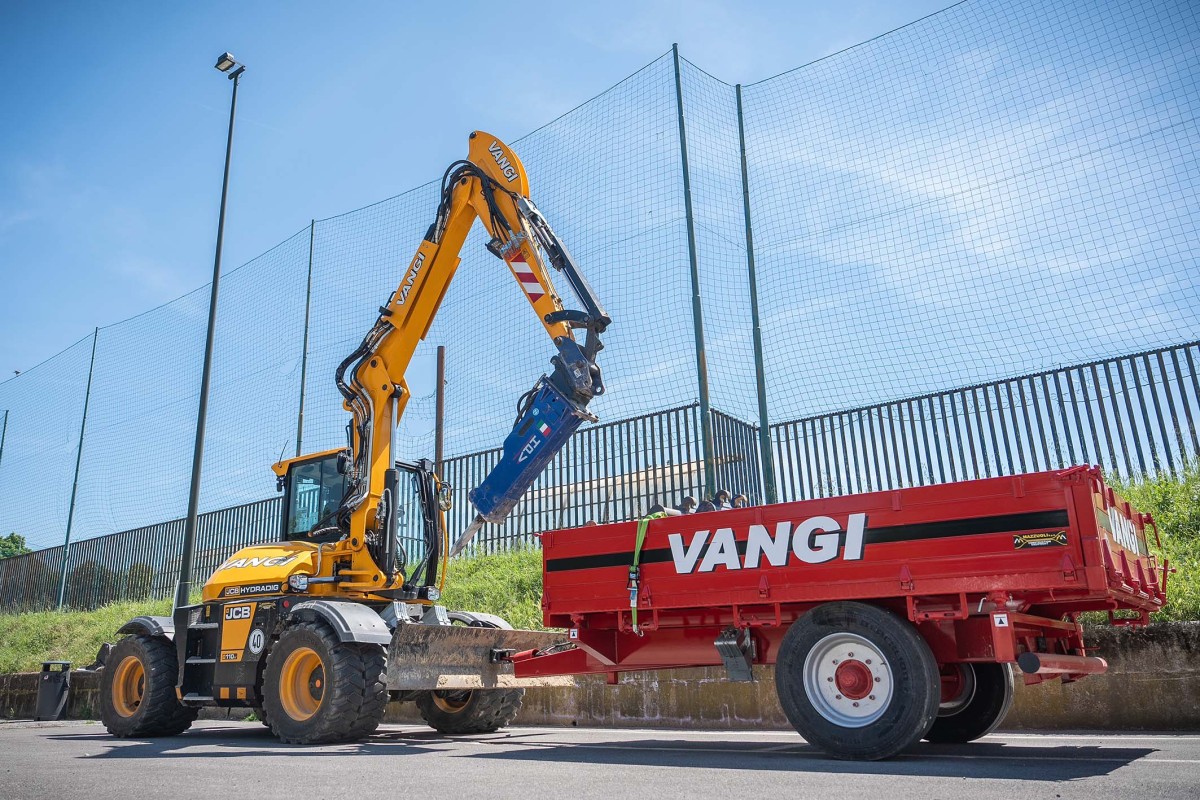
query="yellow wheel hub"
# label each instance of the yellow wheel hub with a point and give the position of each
(128, 686)
(302, 683)
(451, 701)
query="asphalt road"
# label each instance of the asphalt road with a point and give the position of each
(236, 759)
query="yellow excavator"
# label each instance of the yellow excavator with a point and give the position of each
(319, 630)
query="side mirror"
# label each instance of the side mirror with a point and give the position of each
(343, 462)
(445, 500)
(280, 482)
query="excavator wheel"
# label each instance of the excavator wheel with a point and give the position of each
(137, 690)
(318, 690)
(470, 710)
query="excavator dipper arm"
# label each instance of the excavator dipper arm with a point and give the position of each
(490, 185)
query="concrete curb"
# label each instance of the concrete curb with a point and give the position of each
(1153, 683)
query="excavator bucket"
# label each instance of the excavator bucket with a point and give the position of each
(459, 657)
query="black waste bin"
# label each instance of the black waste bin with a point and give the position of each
(53, 685)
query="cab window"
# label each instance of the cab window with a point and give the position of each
(315, 491)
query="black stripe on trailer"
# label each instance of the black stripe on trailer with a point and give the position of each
(1004, 523)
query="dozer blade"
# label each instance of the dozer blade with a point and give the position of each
(459, 657)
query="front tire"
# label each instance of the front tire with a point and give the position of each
(137, 690)
(318, 690)
(978, 699)
(857, 681)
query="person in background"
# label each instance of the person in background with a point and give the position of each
(687, 506)
(740, 501)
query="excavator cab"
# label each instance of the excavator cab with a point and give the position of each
(314, 487)
(313, 491)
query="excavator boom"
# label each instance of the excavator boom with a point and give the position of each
(491, 186)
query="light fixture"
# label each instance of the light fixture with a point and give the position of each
(298, 582)
(225, 62)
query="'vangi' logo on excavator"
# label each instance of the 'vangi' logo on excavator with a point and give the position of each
(407, 285)
(272, 561)
(502, 161)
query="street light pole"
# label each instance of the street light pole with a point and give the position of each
(227, 64)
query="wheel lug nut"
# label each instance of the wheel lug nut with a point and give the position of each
(838, 697)
(872, 697)
(850, 655)
(868, 661)
(835, 661)
(856, 705)
(829, 679)
(877, 680)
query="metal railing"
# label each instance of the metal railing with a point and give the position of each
(611, 472)
(138, 564)
(1132, 415)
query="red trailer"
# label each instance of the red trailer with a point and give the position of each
(890, 616)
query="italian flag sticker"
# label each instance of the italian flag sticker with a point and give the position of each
(545, 429)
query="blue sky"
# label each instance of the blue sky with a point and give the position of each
(110, 155)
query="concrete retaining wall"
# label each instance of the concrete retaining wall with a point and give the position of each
(1153, 683)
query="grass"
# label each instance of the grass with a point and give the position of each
(1174, 502)
(28, 639)
(506, 584)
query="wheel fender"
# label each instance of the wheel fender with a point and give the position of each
(351, 622)
(151, 626)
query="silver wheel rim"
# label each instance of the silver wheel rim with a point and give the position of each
(951, 707)
(847, 680)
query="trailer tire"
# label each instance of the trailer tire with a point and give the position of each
(857, 681)
(318, 690)
(137, 689)
(984, 700)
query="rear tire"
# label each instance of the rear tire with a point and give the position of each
(137, 690)
(857, 681)
(984, 699)
(317, 690)
(470, 710)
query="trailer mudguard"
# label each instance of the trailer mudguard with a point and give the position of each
(151, 626)
(352, 622)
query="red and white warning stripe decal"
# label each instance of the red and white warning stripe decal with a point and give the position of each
(524, 273)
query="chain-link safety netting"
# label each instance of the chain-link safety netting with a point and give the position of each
(997, 190)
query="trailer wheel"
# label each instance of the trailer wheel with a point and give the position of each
(137, 690)
(857, 681)
(975, 700)
(318, 690)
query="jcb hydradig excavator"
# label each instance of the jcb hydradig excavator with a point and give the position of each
(319, 630)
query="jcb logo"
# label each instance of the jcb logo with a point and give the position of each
(237, 612)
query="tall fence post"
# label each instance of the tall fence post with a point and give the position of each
(706, 428)
(66, 553)
(3, 435)
(312, 225)
(764, 422)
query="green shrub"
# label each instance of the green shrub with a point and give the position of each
(1174, 502)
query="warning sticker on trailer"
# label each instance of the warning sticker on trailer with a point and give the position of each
(1023, 541)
